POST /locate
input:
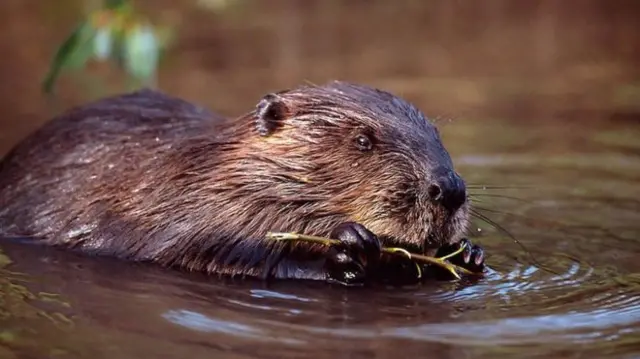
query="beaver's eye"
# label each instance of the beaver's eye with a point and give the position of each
(363, 143)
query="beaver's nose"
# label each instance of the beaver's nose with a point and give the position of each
(447, 189)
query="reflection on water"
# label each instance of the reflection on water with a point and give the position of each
(560, 172)
(576, 288)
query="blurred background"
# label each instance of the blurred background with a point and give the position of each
(539, 98)
(520, 61)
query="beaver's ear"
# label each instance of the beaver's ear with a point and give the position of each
(271, 112)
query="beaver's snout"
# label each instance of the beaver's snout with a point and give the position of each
(447, 189)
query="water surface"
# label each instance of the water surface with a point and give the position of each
(569, 193)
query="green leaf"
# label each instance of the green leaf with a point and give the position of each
(102, 44)
(114, 4)
(141, 52)
(74, 52)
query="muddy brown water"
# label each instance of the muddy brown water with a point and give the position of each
(575, 210)
(536, 105)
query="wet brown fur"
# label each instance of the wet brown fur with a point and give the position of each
(149, 177)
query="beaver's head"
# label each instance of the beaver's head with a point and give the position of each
(321, 155)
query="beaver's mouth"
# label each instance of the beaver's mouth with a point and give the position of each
(447, 232)
(446, 229)
(431, 244)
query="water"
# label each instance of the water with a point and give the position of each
(574, 293)
(539, 116)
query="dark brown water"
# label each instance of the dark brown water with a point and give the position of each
(547, 136)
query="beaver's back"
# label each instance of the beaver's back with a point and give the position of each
(96, 143)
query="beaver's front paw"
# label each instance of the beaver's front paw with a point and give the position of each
(471, 258)
(349, 262)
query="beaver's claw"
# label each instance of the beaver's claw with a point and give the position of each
(357, 254)
(471, 258)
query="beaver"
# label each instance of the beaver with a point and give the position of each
(149, 177)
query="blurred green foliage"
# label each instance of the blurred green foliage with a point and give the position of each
(113, 32)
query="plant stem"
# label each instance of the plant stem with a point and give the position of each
(441, 262)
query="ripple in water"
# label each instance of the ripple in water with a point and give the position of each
(514, 304)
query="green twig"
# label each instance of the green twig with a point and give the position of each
(441, 261)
